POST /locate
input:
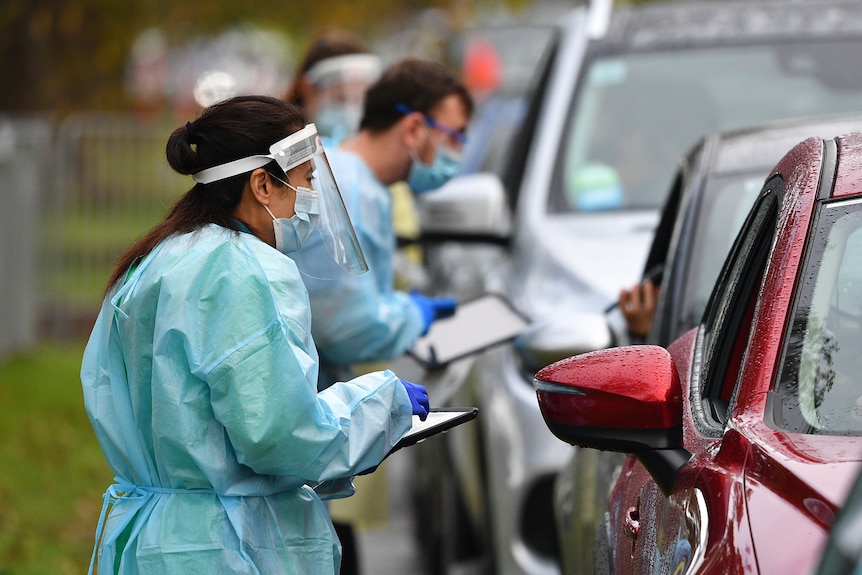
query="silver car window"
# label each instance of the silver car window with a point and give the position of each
(636, 114)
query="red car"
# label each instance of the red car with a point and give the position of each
(744, 435)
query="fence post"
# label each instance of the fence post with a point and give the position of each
(23, 158)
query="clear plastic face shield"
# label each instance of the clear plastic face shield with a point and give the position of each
(345, 79)
(334, 228)
(340, 83)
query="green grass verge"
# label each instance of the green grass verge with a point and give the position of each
(52, 473)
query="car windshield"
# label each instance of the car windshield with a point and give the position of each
(635, 115)
(821, 377)
(724, 205)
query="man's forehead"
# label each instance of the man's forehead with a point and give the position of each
(451, 111)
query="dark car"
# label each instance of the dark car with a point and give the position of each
(715, 187)
(620, 98)
(744, 435)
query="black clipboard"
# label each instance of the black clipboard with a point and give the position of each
(439, 420)
(477, 324)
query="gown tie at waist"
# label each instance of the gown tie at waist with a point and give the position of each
(123, 490)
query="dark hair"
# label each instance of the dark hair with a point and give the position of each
(236, 128)
(326, 44)
(417, 84)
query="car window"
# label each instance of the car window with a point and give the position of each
(727, 319)
(636, 114)
(723, 206)
(820, 384)
(660, 248)
(518, 51)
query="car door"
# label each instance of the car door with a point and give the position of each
(665, 528)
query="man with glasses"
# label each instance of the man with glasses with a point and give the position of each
(412, 130)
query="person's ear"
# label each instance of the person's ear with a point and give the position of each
(260, 186)
(411, 129)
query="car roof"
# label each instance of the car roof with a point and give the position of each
(760, 147)
(687, 23)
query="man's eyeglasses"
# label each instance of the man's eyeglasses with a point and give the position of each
(454, 134)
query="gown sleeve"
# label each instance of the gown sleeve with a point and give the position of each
(263, 382)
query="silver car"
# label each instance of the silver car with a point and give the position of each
(623, 95)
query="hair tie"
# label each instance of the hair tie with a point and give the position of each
(192, 134)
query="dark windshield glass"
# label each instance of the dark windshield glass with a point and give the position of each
(635, 115)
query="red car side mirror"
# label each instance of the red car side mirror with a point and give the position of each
(625, 399)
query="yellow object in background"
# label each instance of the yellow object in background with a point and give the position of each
(406, 223)
(368, 508)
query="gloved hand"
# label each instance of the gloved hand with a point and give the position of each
(434, 308)
(418, 398)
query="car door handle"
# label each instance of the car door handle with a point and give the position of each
(633, 523)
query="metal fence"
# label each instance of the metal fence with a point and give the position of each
(75, 194)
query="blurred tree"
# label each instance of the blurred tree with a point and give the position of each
(71, 54)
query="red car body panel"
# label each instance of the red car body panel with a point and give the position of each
(848, 181)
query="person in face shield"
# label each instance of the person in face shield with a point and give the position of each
(330, 85)
(412, 130)
(200, 375)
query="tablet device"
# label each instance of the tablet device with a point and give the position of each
(439, 419)
(476, 325)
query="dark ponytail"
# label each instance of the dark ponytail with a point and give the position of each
(236, 128)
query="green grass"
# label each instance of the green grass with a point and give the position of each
(52, 473)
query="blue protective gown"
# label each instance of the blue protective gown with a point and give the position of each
(360, 318)
(199, 381)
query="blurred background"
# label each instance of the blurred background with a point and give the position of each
(91, 89)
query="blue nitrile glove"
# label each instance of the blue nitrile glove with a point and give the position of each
(418, 398)
(434, 308)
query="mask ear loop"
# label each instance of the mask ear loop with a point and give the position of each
(285, 183)
(414, 155)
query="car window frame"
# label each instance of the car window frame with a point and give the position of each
(519, 149)
(719, 344)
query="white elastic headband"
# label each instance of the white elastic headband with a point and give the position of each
(293, 150)
(364, 67)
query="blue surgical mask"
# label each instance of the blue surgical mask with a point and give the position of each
(337, 122)
(424, 178)
(292, 233)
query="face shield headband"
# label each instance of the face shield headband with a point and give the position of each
(334, 226)
(361, 68)
(293, 150)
